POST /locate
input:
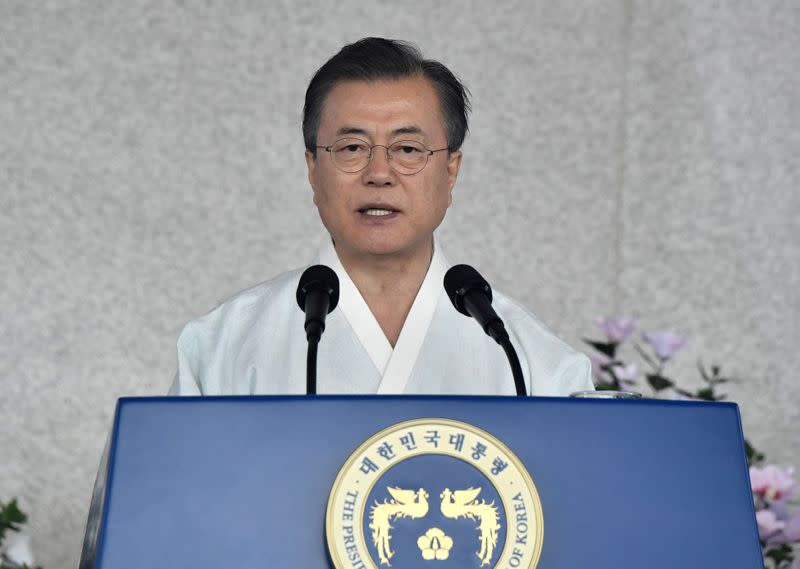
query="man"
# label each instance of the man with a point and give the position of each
(382, 129)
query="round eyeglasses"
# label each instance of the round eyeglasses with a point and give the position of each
(406, 157)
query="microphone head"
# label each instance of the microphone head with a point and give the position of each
(461, 279)
(318, 277)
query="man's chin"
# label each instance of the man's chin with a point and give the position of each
(382, 249)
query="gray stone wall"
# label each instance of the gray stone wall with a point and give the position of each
(626, 156)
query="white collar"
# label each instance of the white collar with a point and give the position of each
(394, 365)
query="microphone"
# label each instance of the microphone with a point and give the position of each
(471, 295)
(317, 296)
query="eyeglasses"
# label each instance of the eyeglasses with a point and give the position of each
(406, 157)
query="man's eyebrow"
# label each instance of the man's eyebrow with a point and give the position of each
(407, 130)
(411, 129)
(350, 130)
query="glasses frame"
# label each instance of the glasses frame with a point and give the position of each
(428, 154)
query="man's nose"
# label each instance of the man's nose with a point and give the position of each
(379, 171)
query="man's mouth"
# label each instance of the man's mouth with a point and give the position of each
(376, 212)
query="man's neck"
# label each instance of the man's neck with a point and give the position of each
(389, 284)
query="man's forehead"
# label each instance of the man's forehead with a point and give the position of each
(403, 106)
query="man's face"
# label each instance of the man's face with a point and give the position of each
(382, 112)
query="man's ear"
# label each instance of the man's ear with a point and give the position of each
(311, 164)
(453, 165)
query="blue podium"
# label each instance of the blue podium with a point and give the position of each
(422, 482)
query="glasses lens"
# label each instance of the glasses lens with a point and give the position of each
(350, 154)
(408, 157)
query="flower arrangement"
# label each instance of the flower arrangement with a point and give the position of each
(15, 553)
(773, 486)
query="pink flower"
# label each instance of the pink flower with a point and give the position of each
(665, 342)
(601, 363)
(790, 532)
(768, 524)
(626, 375)
(792, 529)
(616, 329)
(771, 483)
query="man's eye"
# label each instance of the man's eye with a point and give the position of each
(404, 149)
(352, 149)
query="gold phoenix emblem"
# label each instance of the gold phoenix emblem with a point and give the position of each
(465, 504)
(402, 504)
(359, 533)
(454, 505)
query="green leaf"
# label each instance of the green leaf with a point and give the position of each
(707, 394)
(11, 514)
(659, 382)
(11, 517)
(780, 554)
(607, 348)
(753, 456)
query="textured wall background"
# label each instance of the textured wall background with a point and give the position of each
(626, 157)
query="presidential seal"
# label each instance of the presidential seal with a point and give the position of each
(434, 492)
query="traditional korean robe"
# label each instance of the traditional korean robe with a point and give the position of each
(254, 343)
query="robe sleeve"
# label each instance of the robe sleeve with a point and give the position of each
(574, 374)
(187, 380)
(554, 368)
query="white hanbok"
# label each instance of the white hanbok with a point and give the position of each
(254, 343)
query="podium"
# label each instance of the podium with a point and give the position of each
(366, 481)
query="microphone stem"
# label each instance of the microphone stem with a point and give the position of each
(311, 366)
(516, 368)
